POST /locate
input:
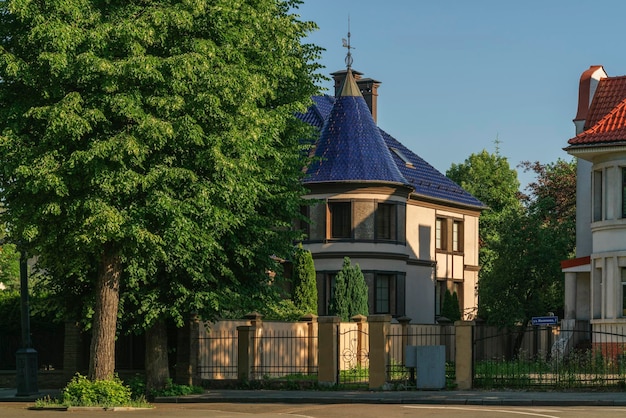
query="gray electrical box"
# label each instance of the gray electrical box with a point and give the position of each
(429, 362)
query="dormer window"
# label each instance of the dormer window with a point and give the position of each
(403, 157)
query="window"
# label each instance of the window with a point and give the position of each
(623, 270)
(340, 219)
(440, 234)
(623, 192)
(597, 196)
(457, 236)
(382, 293)
(386, 225)
(403, 157)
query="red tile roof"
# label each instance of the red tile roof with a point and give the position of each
(610, 129)
(610, 92)
(575, 262)
(606, 120)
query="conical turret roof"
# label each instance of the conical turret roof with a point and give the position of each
(351, 147)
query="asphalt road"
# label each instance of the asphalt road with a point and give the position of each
(237, 410)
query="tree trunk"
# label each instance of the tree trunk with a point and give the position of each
(519, 338)
(102, 350)
(157, 366)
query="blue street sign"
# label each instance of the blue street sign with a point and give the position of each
(545, 320)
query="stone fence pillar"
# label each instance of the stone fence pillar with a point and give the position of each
(464, 354)
(188, 352)
(245, 352)
(328, 340)
(379, 349)
(71, 350)
(311, 321)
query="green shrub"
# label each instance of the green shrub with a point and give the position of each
(173, 389)
(81, 391)
(137, 385)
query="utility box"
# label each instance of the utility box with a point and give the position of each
(429, 362)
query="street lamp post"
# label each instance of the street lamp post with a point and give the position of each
(26, 357)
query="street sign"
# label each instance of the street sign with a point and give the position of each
(545, 320)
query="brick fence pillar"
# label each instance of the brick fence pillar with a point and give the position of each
(328, 340)
(379, 349)
(464, 354)
(71, 349)
(245, 352)
(187, 352)
(311, 321)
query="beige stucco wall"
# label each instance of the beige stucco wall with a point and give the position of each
(414, 254)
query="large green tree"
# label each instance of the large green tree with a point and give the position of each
(149, 151)
(524, 277)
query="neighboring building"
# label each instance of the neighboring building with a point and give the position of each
(413, 231)
(595, 281)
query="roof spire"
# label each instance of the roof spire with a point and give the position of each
(346, 44)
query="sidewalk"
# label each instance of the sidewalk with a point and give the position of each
(452, 397)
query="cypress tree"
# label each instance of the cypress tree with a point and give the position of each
(357, 292)
(455, 307)
(450, 308)
(339, 300)
(305, 290)
(349, 292)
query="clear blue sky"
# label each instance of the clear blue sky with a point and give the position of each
(457, 74)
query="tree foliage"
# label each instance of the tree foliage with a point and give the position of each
(149, 150)
(523, 236)
(350, 293)
(305, 284)
(526, 280)
(9, 268)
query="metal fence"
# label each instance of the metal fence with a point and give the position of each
(278, 351)
(353, 354)
(217, 350)
(285, 354)
(550, 357)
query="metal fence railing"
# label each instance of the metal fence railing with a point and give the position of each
(217, 354)
(551, 358)
(285, 354)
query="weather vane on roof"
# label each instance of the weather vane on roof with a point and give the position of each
(346, 44)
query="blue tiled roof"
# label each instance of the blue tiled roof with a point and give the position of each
(338, 150)
(425, 179)
(351, 147)
(317, 114)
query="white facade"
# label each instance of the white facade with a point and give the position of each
(595, 282)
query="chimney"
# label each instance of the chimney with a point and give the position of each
(587, 88)
(367, 86)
